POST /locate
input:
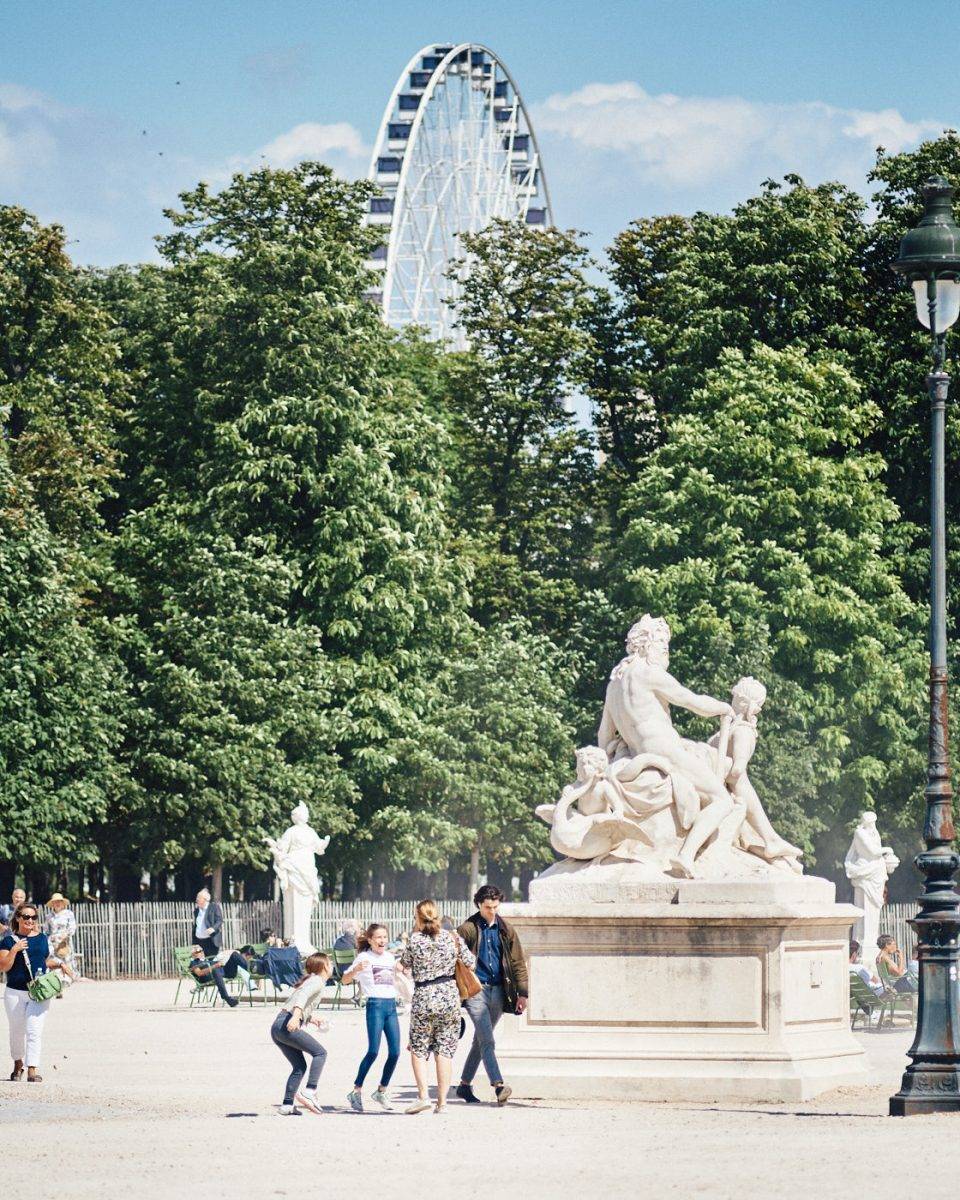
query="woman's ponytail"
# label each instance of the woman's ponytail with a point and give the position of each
(429, 917)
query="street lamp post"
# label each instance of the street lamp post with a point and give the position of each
(930, 258)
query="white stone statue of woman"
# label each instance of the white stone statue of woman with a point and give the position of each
(294, 860)
(868, 866)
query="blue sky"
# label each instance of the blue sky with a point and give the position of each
(109, 107)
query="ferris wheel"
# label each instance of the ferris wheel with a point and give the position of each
(455, 150)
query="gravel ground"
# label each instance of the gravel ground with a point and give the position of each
(165, 1100)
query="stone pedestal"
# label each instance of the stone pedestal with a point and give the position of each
(699, 990)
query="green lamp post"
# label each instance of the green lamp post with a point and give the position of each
(930, 258)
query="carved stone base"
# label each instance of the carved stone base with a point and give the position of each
(698, 999)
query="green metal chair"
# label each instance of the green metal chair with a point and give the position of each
(259, 950)
(864, 1002)
(897, 1001)
(343, 959)
(202, 988)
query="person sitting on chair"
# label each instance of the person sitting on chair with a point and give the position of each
(207, 969)
(857, 968)
(892, 959)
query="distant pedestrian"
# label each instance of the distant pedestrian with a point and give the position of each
(289, 1033)
(431, 954)
(375, 969)
(207, 924)
(25, 1016)
(17, 897)
(503, 972)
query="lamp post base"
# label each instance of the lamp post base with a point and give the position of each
(920, 1102)
(932, 1081)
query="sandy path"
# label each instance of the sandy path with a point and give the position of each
(169, 1101)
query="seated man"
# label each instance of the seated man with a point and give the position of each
(346, 940)
(892, 959)
(205, 969)
(857, 968)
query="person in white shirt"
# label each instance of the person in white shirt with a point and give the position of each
(857, 968)
(295, 1043)
(375, 968)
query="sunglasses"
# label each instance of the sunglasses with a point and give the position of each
(28, 917)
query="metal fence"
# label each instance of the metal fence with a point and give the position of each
(136, 941)
(893, 919)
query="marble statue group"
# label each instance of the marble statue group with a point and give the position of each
(646, 795)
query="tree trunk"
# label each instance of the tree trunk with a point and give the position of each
(216, 883)
(474, 870)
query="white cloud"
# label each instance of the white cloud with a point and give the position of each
(339, 144)
(311, 140)
(28, 131)
(696, 140)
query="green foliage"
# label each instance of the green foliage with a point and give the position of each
(58, 695)
(758, 530)
(495, 741)
(524, 475)
(231, 719)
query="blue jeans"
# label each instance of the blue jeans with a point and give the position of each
(381, 1019)
(485, 1009)
(294, 1047)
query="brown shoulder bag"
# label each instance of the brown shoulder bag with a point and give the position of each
(467, 982)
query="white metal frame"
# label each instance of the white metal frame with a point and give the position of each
(456, 176)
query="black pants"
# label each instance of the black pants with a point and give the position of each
(294, 1047)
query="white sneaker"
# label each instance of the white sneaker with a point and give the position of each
(289, 1110)
(381, 1098)
(418, 1106)
(308, 1098)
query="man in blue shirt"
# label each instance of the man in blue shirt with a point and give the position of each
(502, 971)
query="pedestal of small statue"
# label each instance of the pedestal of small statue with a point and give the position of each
(698, 990)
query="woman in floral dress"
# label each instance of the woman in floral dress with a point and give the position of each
(431, 954)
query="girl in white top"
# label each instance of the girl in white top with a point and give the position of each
(295, 1043)
(375, 968)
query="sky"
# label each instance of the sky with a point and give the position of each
(109, 108)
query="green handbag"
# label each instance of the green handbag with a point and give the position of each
(42, 987)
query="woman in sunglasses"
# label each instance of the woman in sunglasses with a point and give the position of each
(25, 1016)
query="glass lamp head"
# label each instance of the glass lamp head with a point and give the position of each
(930, 257)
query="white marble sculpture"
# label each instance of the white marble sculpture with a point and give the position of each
(646, 795)
(294, 860)
(868, 866)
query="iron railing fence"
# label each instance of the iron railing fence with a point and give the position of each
(136, 941)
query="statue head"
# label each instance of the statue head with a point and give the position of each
(869, 819)
(650, 639)
(748, 697)
(592, 762)
(300, 815)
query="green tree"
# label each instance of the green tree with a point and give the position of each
(784, 268)
(758, 530)
(231, 718)
(61, 685)
(60, 696)
(524, 474)
(496, 740)
(270, 387)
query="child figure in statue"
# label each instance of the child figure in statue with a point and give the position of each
(747, 699)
